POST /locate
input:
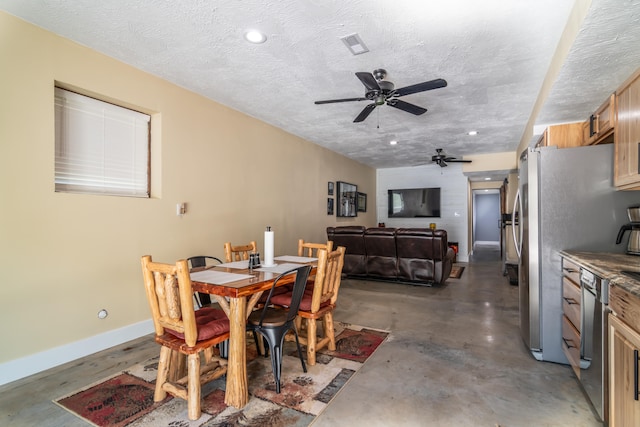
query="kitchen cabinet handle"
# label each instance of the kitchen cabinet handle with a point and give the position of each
(635, 375)
(570, 301)
(570, 270)
(592, 125)
(569, 343)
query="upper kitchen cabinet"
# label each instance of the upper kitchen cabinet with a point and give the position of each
(563, 136)
(627, 135)
(598, 129)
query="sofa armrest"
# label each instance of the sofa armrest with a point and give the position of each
(445, 267)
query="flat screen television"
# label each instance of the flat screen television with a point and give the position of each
(414, 203)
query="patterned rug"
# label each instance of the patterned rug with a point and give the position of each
(456, 272)
(126, 399)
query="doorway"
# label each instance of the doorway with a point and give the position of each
(486, 223)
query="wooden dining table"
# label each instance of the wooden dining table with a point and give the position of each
(238, 298)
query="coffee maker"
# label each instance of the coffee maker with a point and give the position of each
(633, 247)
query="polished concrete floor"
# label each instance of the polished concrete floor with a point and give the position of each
(454, 358)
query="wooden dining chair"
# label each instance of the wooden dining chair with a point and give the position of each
(239, 253)
(180, 330)
(318, 303)
(311, 249)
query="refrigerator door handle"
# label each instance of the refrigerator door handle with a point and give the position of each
(517, 203)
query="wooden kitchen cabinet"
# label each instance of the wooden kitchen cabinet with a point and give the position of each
(624, 350)
(571, 313)
(627, 135)
(563, 136)
(624, 344)
(599, 127)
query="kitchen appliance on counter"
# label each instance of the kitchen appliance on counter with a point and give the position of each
(566, 201)
(633, 246)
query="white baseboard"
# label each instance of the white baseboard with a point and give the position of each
(487, 243)
(29, 365)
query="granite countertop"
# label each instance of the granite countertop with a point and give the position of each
(609, 266)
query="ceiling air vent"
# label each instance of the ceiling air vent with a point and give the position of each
(355, 44)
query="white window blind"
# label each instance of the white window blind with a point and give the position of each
(101, 148)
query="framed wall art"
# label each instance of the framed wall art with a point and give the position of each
(330, 188)
(329, 206)
(362, 202)
(347, 199)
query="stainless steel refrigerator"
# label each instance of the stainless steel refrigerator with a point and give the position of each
(566, 201)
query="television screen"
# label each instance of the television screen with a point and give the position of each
(414, 203)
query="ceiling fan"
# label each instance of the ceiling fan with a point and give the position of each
(382, 91)
(442, 159)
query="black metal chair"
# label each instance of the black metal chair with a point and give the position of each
(201, 261)
(274, 323)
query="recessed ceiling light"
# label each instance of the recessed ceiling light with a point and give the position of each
(487, 179)
(393, 142)
(255, 36)
(472, 133)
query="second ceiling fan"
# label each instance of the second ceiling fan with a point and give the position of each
(381, 91)
(442, 159)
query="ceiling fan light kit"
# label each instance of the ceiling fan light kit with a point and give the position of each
(382, 91)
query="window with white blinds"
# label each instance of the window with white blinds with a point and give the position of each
(101, 148)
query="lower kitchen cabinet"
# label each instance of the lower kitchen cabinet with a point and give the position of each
(624, 349)
(571, 302)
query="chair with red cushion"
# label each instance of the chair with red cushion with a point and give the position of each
(240, 252)
(182, 331)
(318, 303)
(309, 249)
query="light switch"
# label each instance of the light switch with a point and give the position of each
(181, 209)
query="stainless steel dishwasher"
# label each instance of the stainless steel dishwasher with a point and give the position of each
(593, 341)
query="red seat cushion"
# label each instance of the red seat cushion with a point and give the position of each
(210, 321)
(277, 291)
(305, 305)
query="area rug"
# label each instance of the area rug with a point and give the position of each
(456, 272)
(126, 399)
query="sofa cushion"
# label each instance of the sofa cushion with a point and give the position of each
(380, 247)
(210, 322)
(352, 238)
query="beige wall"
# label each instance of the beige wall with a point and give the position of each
(66, 256)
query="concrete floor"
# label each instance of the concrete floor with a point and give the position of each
(454, 358)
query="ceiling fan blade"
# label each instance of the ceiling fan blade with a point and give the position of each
(365, 113)
(442, 164)
(405, 106)
(368, 81)
(421, 87)
(458, 161)
(331, 101)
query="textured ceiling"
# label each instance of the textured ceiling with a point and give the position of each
(494, 55)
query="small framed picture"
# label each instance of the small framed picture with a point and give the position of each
(330, 188)
(329, 206)
(362, 202)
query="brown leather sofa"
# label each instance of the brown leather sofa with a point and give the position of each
(412, 255)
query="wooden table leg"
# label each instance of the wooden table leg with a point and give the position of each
(237, 393)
